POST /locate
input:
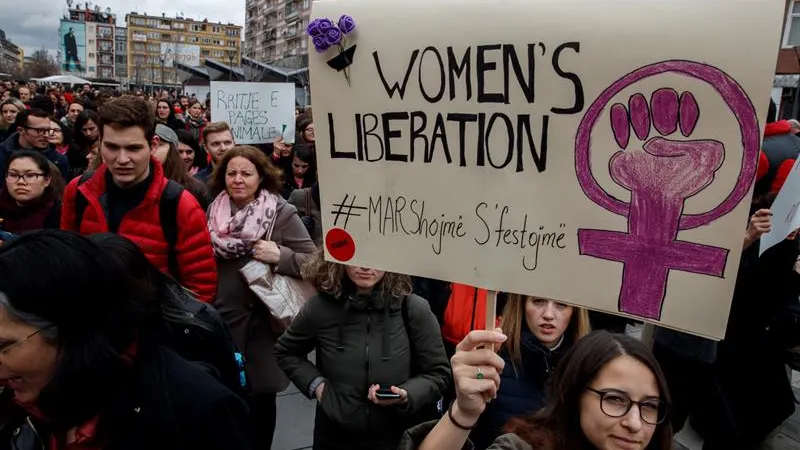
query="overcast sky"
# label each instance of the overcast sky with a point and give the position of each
(32, 24)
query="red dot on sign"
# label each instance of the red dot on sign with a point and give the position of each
(340, 244)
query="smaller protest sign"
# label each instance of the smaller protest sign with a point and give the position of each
(256, 112)
(785, 217)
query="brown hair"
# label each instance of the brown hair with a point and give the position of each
(558, 425)
(57, 182)
(215, 127)
(271, 176)
(514, 320)
(128, 111)
(329, 277)
(175, 170)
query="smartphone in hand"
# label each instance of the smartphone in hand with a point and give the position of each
(386, 394)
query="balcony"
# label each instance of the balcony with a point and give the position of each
(292, 12)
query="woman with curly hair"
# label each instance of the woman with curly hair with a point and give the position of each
(380, 362)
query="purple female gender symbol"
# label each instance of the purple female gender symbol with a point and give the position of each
(650, 248)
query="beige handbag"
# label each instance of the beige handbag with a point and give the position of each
(283, 295)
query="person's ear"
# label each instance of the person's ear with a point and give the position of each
(154, 143)
(46, 181)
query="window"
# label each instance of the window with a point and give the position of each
(306, 4)
(91, 55)
(791, 37)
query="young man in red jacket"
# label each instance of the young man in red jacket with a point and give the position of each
(129, 195)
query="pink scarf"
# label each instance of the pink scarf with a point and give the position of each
(233, 235)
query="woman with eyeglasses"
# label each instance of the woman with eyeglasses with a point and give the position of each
(305, 129)
(60, 136)
(28, 200)
(83, 363)
(608, 393)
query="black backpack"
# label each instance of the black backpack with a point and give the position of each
(210, 346)
(167, 211)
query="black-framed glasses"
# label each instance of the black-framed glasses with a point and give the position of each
(615, 403)
(28, 177)
(5, 349)
(40, 131)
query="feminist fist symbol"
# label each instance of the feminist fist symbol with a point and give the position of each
(660, 178)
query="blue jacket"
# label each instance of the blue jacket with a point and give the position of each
(11, 145)
(522, 391)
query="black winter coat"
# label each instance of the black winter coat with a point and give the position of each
(522, 391)
(363, 340)
(169, 404)
(750, 363)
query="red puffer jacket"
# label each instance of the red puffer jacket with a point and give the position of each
(195, 257)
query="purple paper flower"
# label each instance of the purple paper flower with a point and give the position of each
(320, 43)
(346, 24)
(333, 36)
(324, 25)
(313, 28)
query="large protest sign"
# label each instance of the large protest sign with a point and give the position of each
(596, 153)
(256, 112)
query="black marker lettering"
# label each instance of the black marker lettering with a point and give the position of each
(438, 96)
(576, 81)
(482, 67)
(389, 133)
(397, 87)
(457, 70)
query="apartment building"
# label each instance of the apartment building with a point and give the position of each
(154, 43)
(786, 87)
(11, 55)
(121, 53)
(275, 31)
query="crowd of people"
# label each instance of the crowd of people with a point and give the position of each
(125, 321)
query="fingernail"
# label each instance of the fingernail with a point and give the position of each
(500, 337)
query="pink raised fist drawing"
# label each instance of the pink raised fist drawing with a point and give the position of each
(671, 166)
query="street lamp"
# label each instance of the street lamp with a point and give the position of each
(162, 58)
(231, 55)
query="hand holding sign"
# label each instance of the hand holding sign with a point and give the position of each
(476, 370)
(785, 211)
(760, 223)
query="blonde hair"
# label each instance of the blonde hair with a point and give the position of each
(513, 319)
(328, 276)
